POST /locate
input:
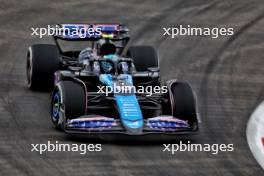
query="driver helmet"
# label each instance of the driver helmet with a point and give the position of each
(105, 47)
(107, 50)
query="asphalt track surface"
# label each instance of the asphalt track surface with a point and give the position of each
(226, 73)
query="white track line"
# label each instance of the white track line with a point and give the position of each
(255, 134)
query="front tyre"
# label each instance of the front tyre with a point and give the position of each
(67, 102)
(184, 104)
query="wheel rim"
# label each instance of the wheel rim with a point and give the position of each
(55, 106)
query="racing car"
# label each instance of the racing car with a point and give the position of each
(79, 80)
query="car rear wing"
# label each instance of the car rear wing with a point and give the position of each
(91, 32)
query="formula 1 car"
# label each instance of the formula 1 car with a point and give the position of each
(81, 101)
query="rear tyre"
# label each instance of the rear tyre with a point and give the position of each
(67, 102)
(42, 61)
(184, 101)
(143, 57)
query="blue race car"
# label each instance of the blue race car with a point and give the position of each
(104, 88)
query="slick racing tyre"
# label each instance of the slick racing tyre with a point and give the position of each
(67, 102)
(42, 61)
(184, 101)
(143, 57)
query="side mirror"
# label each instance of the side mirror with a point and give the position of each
(153, 69)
